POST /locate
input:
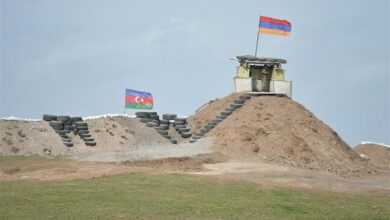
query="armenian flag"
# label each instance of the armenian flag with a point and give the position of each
(138, 99)
(274, 26)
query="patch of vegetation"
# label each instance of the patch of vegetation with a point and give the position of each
(142, 196)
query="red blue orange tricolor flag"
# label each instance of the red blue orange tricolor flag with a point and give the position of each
(268, 25)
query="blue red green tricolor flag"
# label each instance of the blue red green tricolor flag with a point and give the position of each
(138, 99)
(274, 26)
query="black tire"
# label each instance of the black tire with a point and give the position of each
(63, 135)
(57, 128)
(209, 127)
(154, 117)
(192, 140)
(186, 135)
(63, 118)
(213, 123)
(83, 132)
(181, 119)
(236, 106)
(165, 126)
(174, 141)
(218, 120)
(181, 130)
(68, 123)
(85, 135)
(142, 114)
(178, 123)
(229, 109)
(68, 127)
(66, 140)
(144, 120)
(151, 124)
(61, 132)
(226, 113)
(244, 97)
(67, 131)
(163, 132)
(239, 101)
(165, 122)
(88, 139)
(169, 116)
(80, 123)
(167, 136)
(204, 130)
(221, 117)
(79, 128)
(180, 126)
(155, 121)
(197, 137)
(68, 144)
(74, 119)
(90, 143)
(56, 124)
(47, 117)
(160, 128)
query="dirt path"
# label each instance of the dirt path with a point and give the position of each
(270, 175)
(215, 166)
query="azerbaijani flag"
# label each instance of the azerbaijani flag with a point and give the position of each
(274, 26)
(138, 100)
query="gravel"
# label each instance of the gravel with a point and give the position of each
(157, 151)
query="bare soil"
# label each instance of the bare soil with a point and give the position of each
(214, 166)
(377, 155)
(278, 129)
(113, 135)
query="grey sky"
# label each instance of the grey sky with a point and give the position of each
(77, 57)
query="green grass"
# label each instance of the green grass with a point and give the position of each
(143, 196)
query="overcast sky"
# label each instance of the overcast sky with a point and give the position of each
(77, 57)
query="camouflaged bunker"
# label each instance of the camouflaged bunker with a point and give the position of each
(261, 75)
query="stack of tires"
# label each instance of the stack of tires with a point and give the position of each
(64, 125)
(151, 119)
(180, 125)
(81, 128)
(168, 119)
(238, 103)
(163, 128)
(58, 124)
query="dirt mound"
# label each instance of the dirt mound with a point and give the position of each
(376, 154)
(281, 130)
(112, 134)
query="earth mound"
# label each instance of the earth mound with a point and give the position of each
(281, 130)
(375, 154)
(112, 134)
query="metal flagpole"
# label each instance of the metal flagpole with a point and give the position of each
(124, 111)
(257, 40)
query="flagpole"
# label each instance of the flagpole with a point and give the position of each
(124, 111)
(257, 40)
(257, 43)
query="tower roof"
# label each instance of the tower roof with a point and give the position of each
(252, 60)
